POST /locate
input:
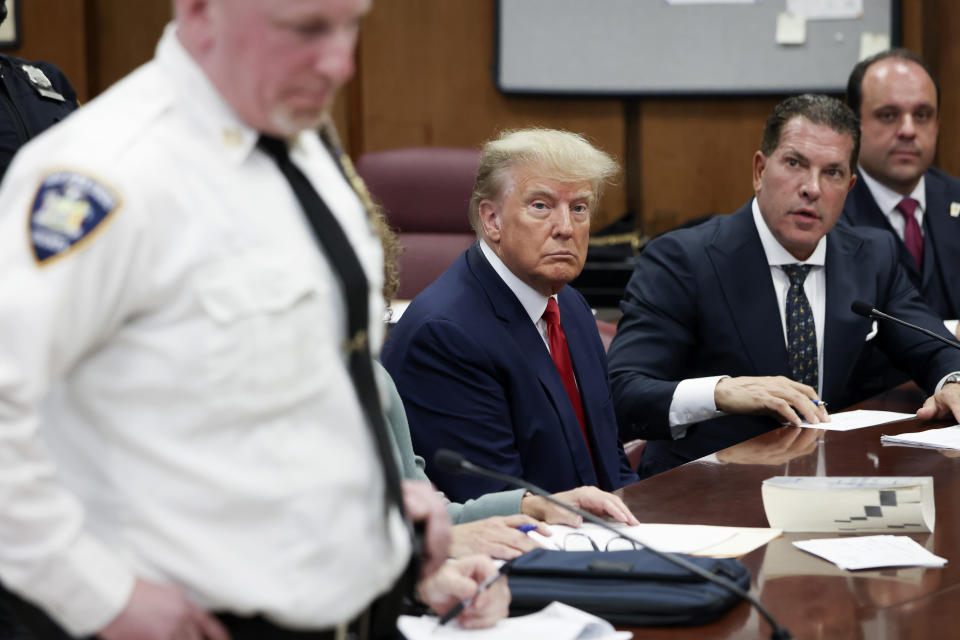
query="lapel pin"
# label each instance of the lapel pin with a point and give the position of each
(955, 209)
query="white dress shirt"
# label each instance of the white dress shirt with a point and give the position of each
(175, 403)
(887, 200)
(693, 399)
(533, 302)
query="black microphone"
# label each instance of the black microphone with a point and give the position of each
(453, 462)
(867, 310)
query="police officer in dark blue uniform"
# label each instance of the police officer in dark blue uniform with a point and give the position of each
(34, 96)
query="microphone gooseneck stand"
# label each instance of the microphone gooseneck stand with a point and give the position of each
(453, 462)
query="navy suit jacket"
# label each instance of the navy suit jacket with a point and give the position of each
(701, 302)
(476, 377)
(939, 280)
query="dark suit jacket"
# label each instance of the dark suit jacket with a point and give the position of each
(939, 280)
(476, 377)
(701, 302)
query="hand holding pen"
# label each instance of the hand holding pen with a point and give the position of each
(468, 589)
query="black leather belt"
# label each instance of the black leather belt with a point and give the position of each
(259, 628)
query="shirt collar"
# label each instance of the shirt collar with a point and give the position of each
(204, 104)
(776, 254)
(888, 199)
(533, 302)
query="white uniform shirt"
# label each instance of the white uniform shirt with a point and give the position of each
(174, 401)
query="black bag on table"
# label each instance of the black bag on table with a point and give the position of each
(632, 588)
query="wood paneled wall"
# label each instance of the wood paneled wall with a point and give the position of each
(56, 31)
(424, 78)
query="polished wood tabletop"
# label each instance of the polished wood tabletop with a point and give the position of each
(809, 596)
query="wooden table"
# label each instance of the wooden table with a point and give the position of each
(809, 596)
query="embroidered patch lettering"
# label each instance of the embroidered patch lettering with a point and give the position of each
(67, 208)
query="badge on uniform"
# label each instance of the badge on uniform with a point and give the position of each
(68, 207)
(955, 209)
(41, 83)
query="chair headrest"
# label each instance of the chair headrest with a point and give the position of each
(422, 189)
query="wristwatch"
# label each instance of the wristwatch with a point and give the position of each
(953, 377)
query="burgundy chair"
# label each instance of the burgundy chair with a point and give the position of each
(425, 193)
(633, 448)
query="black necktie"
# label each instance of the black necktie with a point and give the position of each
(801, 332)
(343, 260)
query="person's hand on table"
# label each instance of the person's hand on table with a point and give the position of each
(775, 396)
(497, 537)
(596, 501)
(943, 405)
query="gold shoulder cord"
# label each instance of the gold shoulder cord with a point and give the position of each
(376, 217)
(328, 134)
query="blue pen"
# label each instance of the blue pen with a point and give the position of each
(527, 528)
(819, 403)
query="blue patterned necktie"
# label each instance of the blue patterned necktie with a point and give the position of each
(801, 332)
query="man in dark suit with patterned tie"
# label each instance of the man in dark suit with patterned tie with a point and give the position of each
(743, 323)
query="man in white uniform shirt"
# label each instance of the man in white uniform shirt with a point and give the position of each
(180, 434)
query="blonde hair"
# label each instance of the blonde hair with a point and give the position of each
(563, 155)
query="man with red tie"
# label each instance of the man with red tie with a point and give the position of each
(897, 98)
(499, 359)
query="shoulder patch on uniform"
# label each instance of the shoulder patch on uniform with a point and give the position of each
(68, 207)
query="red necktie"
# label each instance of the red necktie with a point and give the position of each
(561, 358)
(911, 232)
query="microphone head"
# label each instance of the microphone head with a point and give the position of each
(862, 308)
(450, 461)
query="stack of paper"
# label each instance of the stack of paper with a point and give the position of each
(849, 504)
(870, 552)
(556, 621)
(945, 438)
(858, 419)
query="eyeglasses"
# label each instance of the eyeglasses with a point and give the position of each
(582, 542)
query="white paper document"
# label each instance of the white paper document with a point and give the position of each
(945, 438)
(849, 420)
(694, 539)
(663, 537)
(871, 552)
(556, 621)
(849, 504)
